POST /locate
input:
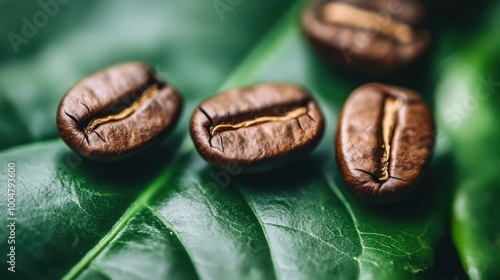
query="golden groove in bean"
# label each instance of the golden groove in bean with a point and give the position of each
(289, 116)
(148, 94)
(391, 108)
(342, 13)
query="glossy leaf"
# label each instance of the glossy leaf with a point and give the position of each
(167, 214)
(468, 100)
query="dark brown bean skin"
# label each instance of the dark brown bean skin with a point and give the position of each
(257, 128)
(409, 131)
(368, 49)
(117, 112)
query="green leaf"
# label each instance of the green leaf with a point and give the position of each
(279, 226)
(468, 103)
(63, 205)
(167, 214)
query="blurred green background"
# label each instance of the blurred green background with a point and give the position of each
(155, 217)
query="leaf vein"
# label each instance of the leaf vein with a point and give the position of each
(170, 227)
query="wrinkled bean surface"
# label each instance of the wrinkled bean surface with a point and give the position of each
(117, 112)
(257, 128)
(369, 36)
(384, 140)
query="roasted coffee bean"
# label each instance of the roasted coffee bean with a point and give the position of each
(371, 36)
(258, 128)
(384, 140)
(117, 112)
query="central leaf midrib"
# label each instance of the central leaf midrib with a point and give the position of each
(240, 75)
(341, 198)
(264, 232)
(168, 225)
(137, 206)
(347, 207)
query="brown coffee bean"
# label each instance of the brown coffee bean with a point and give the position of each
(385, 138)
(375, 37)
(257, 128)
(117, 112)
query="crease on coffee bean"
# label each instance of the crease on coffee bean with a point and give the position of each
(294, 114)
(208, 117)
(84, 132)
(210, 120)
(143, 98)
(392, 105)
(86, 106)
(86, 137)
(72, 117)
(99, 135)
(310, 117)
(352, 16)
(300, 125)
(153, 88)
(376, 179)
(221, 143)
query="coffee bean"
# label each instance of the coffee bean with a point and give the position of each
(257, 128)
(117, 112)
(369, 36)
(384, 140)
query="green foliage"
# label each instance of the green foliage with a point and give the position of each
(168, 215)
